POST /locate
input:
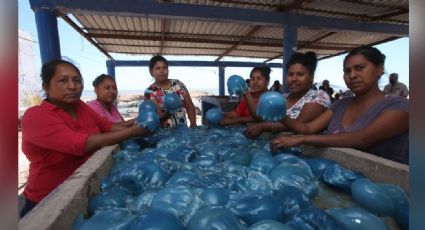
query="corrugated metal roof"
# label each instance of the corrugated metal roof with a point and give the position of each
(144, 35)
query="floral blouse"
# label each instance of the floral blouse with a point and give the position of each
(158, 93)
(312, 96)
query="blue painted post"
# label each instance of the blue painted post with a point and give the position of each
(221, 81)
(48, 36)
(110, 65)
(289, 47)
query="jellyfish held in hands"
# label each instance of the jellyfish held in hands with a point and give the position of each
(271, 106)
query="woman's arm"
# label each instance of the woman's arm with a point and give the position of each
(235, 120)
(190, 108)
(115, 136)
(315, 126)
(256, 129)
(230, 114)
(252, 106)
(387, 125)
(310, 111)
(128, 123)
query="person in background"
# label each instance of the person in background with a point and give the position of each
(106, 91)
(314, 86)
(158, 68)
(277, 87)
(303, 103)
(246, 110)
(248, 82)
(328, 89)
(61, 133)
(370, 121)
(346, 93)
(337, 96)
(395, 87)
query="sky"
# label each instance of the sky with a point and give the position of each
(92, 62)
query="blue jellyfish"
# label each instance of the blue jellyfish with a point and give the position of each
(396, 193)
(401, 203)
(114, 197)
(141, 175)
(147, 105)
(318, 165)
(355, 218)
(203, 161)
(217, 218)
(154, 219)
(295, 175)
(215, 196)
(271, 106)
(239, 157)
(214, 116)
(293, 201)
(131, 145)
(263, 163)
(252, 208)
(181, 201)
(291, 150)
(172, 103)
(255, 183)
(236, 85)
(340, 177)
(401, 214)
(184, 177)
(314, 218)
(269, 225)
(372, 197)
(215, 180)
(142, 202)
(105, 219)
(148, 119)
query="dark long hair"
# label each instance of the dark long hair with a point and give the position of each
(309, 60)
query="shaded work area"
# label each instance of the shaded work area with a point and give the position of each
(269, 31)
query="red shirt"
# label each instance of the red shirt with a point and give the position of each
(242, 109)
(54, 144)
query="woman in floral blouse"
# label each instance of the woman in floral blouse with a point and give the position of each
(302, 103)
(158, 68)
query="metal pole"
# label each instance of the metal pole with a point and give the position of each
(221, 80)
(110, 65)
(289, 47)
(48, 36)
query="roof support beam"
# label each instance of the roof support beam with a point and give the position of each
(296, 4)
(179, 39)
(172, 63)
(254, 30)
(161, 45)
(82, 33)
(152, 8)
(197, 40)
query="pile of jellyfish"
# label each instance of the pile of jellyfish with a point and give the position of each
(215, 178)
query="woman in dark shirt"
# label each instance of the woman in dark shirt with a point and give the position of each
(370, 121)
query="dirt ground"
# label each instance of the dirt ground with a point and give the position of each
(23, 165)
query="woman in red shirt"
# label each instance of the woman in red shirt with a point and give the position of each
(246, 110)
(61, 133)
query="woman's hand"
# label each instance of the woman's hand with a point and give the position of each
(228, 121)
(253, 131)
(285, 142)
